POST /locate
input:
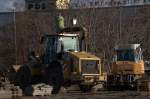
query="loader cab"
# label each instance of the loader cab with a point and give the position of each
(68, 39)
(54, 45)
(130, 52)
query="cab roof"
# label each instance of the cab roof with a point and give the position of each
(67, 32)
(71, 29)
(127, 47)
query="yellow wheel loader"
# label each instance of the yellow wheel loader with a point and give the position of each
(64, 61)
(68, 49)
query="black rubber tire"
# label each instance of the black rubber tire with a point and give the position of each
(12, 75)
(85, 88)
(67, 83)
(55, 76)
(23, 77)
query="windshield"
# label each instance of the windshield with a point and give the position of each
(125, 55)
(69, 43)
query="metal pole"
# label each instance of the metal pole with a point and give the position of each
(120, 32)
(15, 35)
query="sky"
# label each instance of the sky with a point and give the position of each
(10, 5)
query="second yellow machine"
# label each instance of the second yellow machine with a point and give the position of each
(127, 68)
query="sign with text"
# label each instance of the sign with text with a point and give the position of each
(40, 5)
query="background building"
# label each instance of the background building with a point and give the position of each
(37, 5)
(40, 5)
(75, 4)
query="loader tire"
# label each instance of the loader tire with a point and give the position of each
(85, 88)
(55, 76)
(23, 77)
